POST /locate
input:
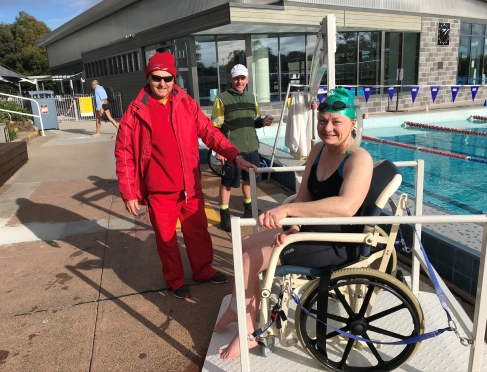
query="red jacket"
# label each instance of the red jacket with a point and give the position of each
(133, 147)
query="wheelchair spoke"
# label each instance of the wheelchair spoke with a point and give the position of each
(335, 333)
(385, 313)
(386, 332)
(336, 318)
(374, 351)
(344, 302)
(346, 353)
(366, 302)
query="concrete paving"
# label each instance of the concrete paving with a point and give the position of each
(81, 285)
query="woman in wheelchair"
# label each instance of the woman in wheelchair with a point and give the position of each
(337, 178)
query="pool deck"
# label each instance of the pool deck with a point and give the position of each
(81, 282)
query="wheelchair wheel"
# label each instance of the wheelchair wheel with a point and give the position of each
(393, 315)
(267, 347)
(215, 165)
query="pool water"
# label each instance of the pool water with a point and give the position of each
(457, 185)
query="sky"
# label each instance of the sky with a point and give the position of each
(53, 13)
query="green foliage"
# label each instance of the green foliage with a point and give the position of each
(12, 106)
(12, 133)
(17, 48)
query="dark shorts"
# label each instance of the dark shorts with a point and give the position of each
(231, 174)
(318, 254)
(105, 106)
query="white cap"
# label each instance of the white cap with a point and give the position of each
(239, 70)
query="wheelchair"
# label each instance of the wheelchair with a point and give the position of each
(366, 298)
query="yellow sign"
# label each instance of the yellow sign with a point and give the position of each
(86, 106)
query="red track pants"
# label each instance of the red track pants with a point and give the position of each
(164, 211)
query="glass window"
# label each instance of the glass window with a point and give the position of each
(484, 73)
(369, 59)
(181, 53)
(105, 67)
(231, 51)
(130, 62)
(293, 61)
(410, 58)
(206, 64)
(346, 59)
(136, 61)
(476, 60)
(478, 30)
(392, 57)
(121, 65)
(463, 58)
(97, 69)
(466, 29)
(265, 68)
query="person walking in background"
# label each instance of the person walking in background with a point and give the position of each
(158, 164)
(236, 113)
(102, 107)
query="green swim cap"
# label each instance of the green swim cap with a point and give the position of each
(341, 95)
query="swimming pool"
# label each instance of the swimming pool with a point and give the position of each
(456, 185)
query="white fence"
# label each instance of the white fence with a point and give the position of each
(474, 330)
(68, 107)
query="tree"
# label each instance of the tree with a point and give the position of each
(17, 49)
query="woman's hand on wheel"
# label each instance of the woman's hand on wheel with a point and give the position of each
(280, 238)
(220, 158)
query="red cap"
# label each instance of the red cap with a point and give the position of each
(161, 61)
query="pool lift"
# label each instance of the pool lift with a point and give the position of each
(323, 62)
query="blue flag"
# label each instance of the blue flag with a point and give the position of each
(391, 90)
(414, 91)
(454, 91)
(434, 92)
(474, 89)
(367, 91)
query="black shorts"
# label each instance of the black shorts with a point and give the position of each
(105, 106)
(319, 254)
(231, 174)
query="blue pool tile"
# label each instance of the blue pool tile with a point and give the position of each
(431, 245)
(475, 268)
(446, 272)
(463, 263)
(473, 287)
(462, 281)
(446, 254)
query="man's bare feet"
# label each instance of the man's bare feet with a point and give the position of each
(229, 316)
(95, 135)
(233, 349)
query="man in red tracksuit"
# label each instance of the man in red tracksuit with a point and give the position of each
(157, 160)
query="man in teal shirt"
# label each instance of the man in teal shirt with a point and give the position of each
(236, 113)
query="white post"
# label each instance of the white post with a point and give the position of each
(329, 47)
(253, 195)
(278, 131)
(75, 109)
(240, 294)
(418, 211)
(480, 315)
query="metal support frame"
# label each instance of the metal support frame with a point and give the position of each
(22, 113)
(475, 330)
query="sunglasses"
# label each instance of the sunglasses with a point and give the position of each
(157, 78)
(337, 105)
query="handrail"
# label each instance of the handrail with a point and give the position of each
(475, 330)
(22, 113)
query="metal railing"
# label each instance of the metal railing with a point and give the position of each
(23, 113)
(474, 331)
(68, 107)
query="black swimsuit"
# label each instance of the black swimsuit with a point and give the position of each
(319, 254)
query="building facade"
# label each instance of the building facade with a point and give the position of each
(428, 42)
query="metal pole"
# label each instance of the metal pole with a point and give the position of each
(75, 109)
(331, 48)
(480, 315)
(253, 195)
(240, 293)
(278, 131)
(418, 211)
